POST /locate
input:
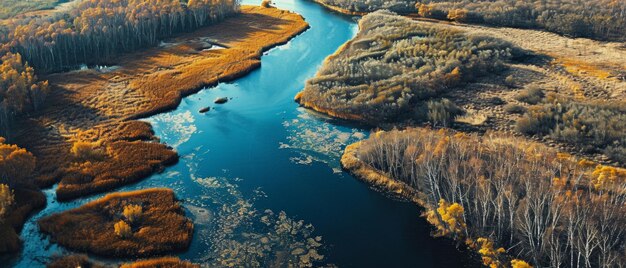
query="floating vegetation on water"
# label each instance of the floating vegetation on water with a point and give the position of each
(179, 127)
(317, 140)
(241, 235)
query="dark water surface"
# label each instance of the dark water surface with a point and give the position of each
(261, 177)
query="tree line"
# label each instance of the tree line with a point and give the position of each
(599, 19)
(95, 31)
(541, 206)
(394, 65)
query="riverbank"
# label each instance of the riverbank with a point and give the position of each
(147, 223)
(98, 107)
(339, 9)
(442, 172)
(585, 70)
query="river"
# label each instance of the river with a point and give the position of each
(259, 165)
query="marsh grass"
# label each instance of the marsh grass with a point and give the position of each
(90, 228)
(100, 107)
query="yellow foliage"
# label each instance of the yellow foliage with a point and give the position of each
(457, 14)
(453, 78)
(132, 212)
(86, 150)
(586, 163)
(520, 264)
(424, 10)
(16, 164)
(6, 200)
(448, 218)
(490, 256)
(604, 176)
(122, 229)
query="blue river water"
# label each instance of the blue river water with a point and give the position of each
(261, 178)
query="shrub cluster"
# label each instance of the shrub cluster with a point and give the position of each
(542, 206)
(532, 95)
(394, 65)
(132, 213)
(122, 229)
(593, 126)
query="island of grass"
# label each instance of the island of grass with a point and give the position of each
(131, 224)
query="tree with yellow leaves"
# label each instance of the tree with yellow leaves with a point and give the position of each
(122, 229)
(457, 15)
(520, 264)
(6, 200)
(20, 91)
(132, 213)
(448, 219)
(16, 164)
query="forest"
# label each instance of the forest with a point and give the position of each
(546, 208)
(598, 19)
(92, 32)
(394, 65)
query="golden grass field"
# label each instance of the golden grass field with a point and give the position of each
(101, 107)
(161, 228)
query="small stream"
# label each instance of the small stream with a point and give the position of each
(258, 165)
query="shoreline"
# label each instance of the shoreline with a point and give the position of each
(339, 10)
(374, 178)
(100, 107)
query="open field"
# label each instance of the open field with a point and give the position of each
(96, 108)
(159, 226)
